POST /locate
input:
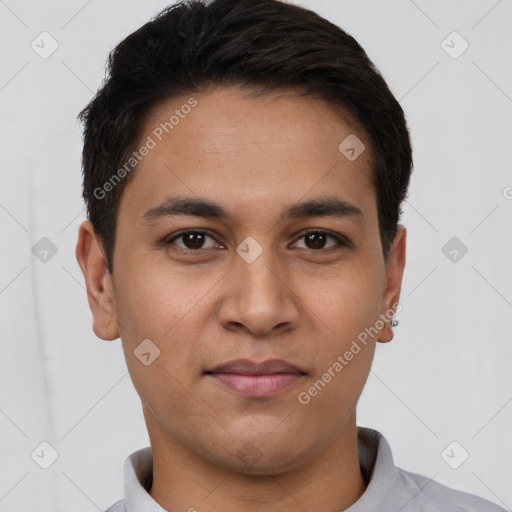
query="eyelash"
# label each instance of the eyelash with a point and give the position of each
(342, 242)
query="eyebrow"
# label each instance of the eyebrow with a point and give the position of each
(320, 207)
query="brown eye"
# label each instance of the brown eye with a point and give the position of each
(191, 240)
(316, 240)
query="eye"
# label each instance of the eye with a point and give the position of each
(192, 240)
(315, 240)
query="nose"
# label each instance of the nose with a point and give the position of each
(258, 296)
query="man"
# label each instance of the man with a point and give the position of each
(244, 167)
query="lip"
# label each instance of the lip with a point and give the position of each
(256, 379)
(248, 367)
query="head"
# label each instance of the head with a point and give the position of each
(218, 118)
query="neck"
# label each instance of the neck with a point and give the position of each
(183, 480)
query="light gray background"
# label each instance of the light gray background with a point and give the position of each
(445, 377)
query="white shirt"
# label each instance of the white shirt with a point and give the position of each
(390, 489)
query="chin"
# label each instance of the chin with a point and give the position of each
(251, 460)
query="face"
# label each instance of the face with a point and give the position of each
(250, 275)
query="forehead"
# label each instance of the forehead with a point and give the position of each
(250, 153)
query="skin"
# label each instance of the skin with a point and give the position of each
(297, 301)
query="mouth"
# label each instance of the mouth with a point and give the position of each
(256, 379)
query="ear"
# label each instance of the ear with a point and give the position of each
(98, 281)
(394, 274)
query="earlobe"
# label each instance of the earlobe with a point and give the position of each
(387, 333)
(98, 281)
(394, 275)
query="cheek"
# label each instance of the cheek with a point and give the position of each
(153, 302)
(168, 311)
(344, 302)
(346, 312)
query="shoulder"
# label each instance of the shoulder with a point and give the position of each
(431, 496)
(118, 506)
(392, 489)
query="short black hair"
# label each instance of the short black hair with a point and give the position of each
(263, 45)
